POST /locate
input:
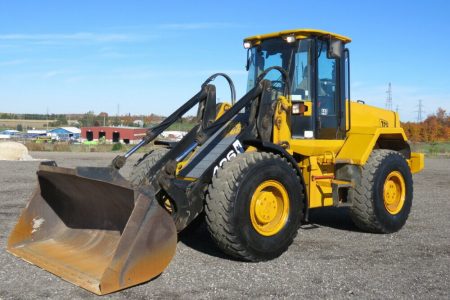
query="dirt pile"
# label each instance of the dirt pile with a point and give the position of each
(13, 151)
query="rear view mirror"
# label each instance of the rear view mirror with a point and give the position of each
(335, 49)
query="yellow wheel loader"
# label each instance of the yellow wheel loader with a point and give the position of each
(254, 168)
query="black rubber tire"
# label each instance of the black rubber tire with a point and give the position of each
(228, 206)
(368, 211)
(139, 174)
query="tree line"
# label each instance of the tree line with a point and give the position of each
(435, 128)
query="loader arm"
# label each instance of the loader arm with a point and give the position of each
(211, 147)
(206, 98)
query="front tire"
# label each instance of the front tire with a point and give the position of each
(140, 172)
(382, 201)
(254, 206)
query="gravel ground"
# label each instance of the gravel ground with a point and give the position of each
(330, 258)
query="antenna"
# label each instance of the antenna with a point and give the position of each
(396, 108)
(389, 97)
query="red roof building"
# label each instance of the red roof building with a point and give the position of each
(126, 135)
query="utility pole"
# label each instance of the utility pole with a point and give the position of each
(420, 111)
(389, 97)
(47, 119)
(117, 116)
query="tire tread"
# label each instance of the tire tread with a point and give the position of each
(220, 203)
(362, 211)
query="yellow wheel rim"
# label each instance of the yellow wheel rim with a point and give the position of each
(394, 192)
(269, 208)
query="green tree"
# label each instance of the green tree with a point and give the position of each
(88, 119)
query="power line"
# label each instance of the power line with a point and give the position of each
(389, 97)
(420, 111)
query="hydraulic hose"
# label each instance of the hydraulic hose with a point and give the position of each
(284, 74)
(230, 83)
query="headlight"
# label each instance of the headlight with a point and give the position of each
(290, 39)
(296, 108)
(247, 45)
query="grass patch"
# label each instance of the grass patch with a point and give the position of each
(66, 147)
(178, 126)
(117, 147)
(435, 149)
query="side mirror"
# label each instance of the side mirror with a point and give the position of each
(335, 48)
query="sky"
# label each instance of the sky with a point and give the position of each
(143, 57)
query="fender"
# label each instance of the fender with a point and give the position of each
(362, 140)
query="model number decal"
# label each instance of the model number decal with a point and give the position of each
(237, 148)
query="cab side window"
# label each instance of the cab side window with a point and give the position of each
(327, 93)
(326, 85)
(301, 86)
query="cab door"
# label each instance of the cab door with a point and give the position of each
(329, 104)
(318, 90)
(302, 117)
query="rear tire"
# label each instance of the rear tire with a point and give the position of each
(139, 174)
(382, 201)
(249, 181)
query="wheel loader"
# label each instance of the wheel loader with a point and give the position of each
(253, 169)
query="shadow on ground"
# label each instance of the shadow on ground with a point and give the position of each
(197, 237)
(333, 217)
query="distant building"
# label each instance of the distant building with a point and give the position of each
(73, 123)
(138, 123)
(7, 134)
(37, 132)
(126, 135)
(173, 135)
(65, 134)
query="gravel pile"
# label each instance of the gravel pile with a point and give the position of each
(13, 151)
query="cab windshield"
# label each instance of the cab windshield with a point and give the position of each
(293, 57)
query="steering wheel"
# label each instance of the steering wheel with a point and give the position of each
(327, 86)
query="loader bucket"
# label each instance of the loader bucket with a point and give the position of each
(90, 227)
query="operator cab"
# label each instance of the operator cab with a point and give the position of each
(317, 63)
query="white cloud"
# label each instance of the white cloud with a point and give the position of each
(48, 38)
(198, 26)
(14, 62)
(143, 73)
(111, 53)
(54, 73)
